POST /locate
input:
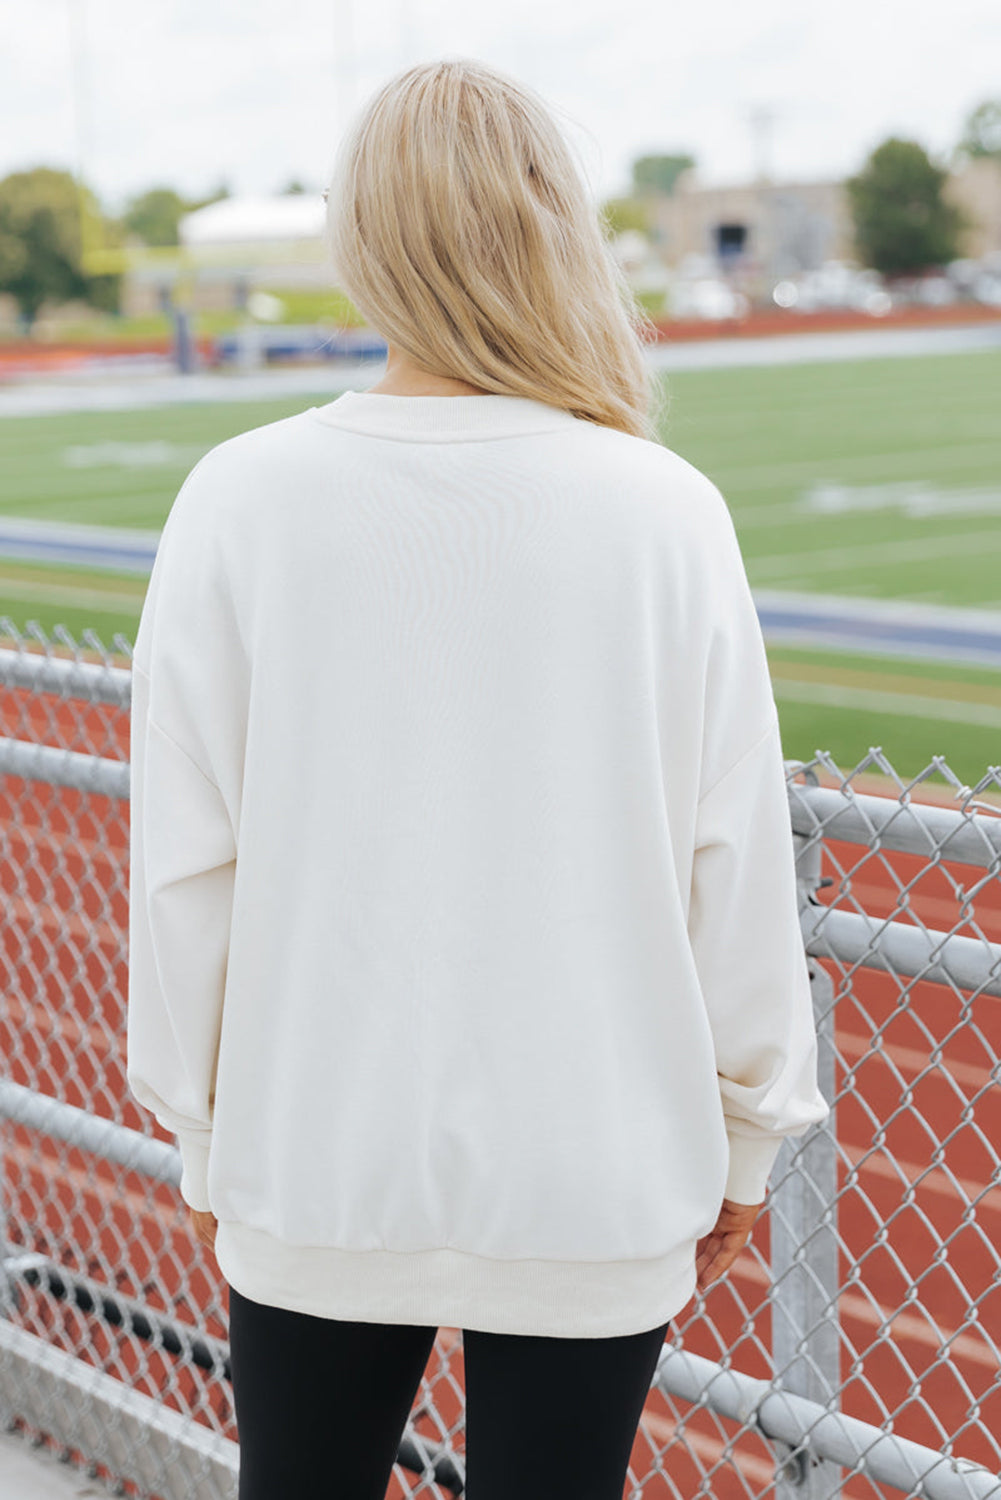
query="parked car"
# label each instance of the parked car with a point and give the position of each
(834, 284)
(705, 297)
(282, 342)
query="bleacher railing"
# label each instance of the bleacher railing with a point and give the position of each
(852, 1350)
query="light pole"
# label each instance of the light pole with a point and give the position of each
(344, 63)
(80, 94)
(761, 119)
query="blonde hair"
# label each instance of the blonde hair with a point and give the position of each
(459, 226)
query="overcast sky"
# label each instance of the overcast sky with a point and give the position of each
(189, 93)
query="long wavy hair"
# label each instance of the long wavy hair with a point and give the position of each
(459, 225)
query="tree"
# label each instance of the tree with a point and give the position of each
(622, 214)
(222, 191)
(155, 214)
(292, 188)
(658, 174)
(40, 241)
(982, 131)
(903, 224)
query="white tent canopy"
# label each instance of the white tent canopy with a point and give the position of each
(260, 220)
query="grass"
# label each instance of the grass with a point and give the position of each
(765, 436)
(913, 710)
(302, 305)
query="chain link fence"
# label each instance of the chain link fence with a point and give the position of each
(853, 1349)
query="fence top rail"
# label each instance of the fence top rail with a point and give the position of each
(69, 768)
(97, 682)
(962, 837)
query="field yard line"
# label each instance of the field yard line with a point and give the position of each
(871, 554)
(973, 500)
(60, 593)
(911, 705)
(866, 463)
(960, 692)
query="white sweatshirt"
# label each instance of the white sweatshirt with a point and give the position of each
(465, 961)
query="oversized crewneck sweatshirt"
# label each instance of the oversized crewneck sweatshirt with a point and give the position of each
(465, 958)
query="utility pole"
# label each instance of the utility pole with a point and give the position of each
(408, 34)
(344, 64)
(761, 119)
(82, 118)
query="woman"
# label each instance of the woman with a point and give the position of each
(465, 957)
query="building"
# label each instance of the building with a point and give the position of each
(755, 233)
(230, 248)
(975, 187)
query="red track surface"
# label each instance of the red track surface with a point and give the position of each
(20, 357)
(62, 1031)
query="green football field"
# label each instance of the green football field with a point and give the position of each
(877, 478)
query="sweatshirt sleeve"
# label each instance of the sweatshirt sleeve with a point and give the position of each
(744, 923)
(182, 845)
(748, 946)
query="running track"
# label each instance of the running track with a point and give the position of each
(63, 970)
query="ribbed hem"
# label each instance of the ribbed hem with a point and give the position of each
(194, 1147)
(751, 1161)
(455, 1289)
(439, 419)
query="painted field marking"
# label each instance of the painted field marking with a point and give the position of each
(112, 455)
(940, 910)
(913, 498)
(865, 1308)
(911, 1062)
(45, 917)
(708, 1448)
(871, 554)
(910, 705)
(867, 465)
(69, 595)
(23, 1016)
(887, 682)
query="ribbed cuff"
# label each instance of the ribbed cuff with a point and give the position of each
(194, 1146)
(751, 1162)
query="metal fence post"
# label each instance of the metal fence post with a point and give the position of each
(804, 1241)
(8, 1302)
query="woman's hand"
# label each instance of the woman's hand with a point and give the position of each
(205, 1226)
(716, 1252)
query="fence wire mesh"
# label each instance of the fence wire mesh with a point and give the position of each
(854, 1347)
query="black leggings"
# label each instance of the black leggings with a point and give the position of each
(321, 1405)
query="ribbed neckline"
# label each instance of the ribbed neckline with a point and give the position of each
(440, 419)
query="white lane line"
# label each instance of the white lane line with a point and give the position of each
(872, 554)
(878, 700)
(869, 465)
(68, 595)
